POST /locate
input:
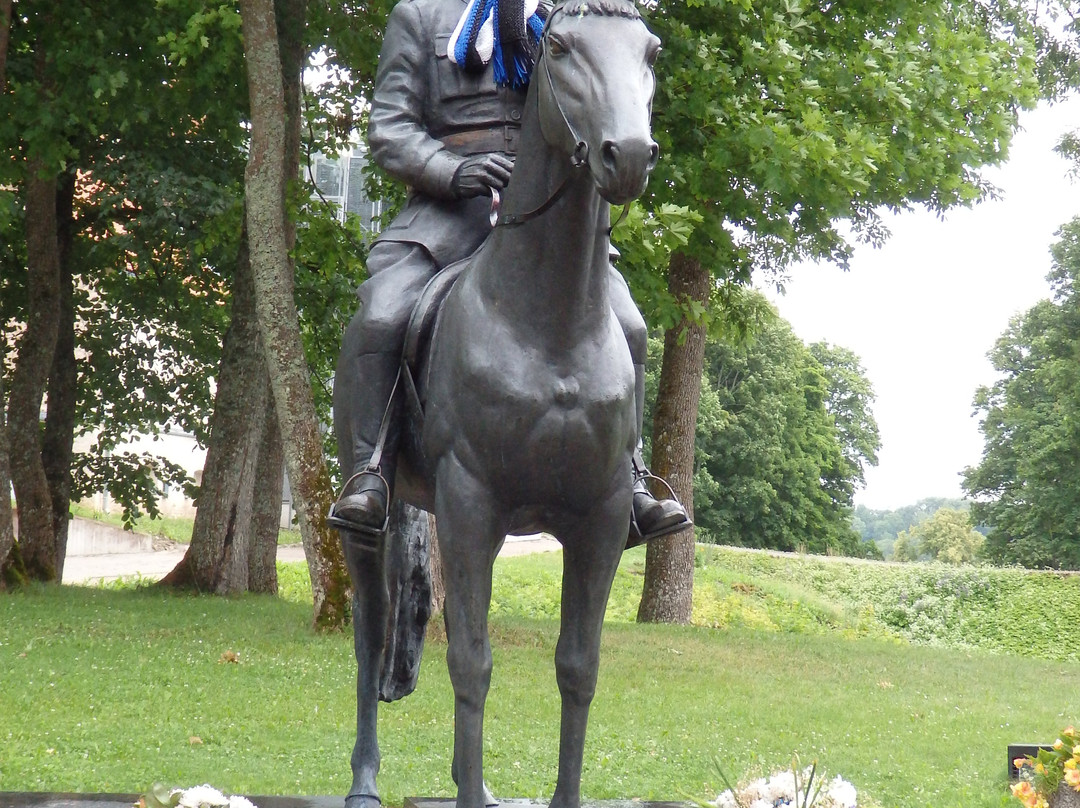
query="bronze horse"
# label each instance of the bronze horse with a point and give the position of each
(528, 392)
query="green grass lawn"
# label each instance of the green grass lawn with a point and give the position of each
(113, 689)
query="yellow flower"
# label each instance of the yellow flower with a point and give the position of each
(1076, 750)
(1072, 777)
(1041, 769)
(1072, 762)
(1024, 792)
(1059, 744)
(1020, 762)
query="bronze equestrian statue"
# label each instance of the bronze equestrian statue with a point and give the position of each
(519, 406)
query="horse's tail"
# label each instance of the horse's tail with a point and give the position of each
(408, 582)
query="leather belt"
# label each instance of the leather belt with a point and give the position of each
(477, 141)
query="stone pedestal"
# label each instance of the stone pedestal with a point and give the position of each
(37, 799)
(1065, 797)
(430, 802)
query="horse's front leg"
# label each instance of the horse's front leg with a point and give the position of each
(469, 536)
(370, 610)
(591, 555)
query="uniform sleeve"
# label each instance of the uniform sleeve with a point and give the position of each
(397, 138)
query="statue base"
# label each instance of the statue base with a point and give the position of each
(42, 799)
(431, 802)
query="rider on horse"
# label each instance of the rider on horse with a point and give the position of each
(443, 125)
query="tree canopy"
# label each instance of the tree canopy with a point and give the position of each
(882, 526)
(131, 123)
(1026, 488)
(779, 119)
(782, 441)
(786, 129)
(946, 536)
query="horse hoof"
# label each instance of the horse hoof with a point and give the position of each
(362, 801)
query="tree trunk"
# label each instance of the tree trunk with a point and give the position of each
(5, 36)
(265, 186)
(291, 16)
(10, 566)
(667, 596)
(266, 516)
(266, 522)
(36, 349)
(217, 558)
(59, 437)
(438, 585)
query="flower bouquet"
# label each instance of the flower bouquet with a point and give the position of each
(196, 797)
(793, 788)
(1051, 779)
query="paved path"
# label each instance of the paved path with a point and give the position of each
(82, 569)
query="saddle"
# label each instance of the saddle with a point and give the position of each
(421, 330)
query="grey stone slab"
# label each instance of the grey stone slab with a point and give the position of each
(430, 802)
(37, 799)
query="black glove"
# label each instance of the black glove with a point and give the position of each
(478, 174)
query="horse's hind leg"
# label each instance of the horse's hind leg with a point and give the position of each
(469, 538)
(370, 609)
(590, 558)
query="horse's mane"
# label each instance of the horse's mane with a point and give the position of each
(608, 8)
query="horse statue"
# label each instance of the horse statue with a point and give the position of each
(527, 391)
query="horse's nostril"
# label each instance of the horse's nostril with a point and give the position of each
(654, 155)
(608, 153)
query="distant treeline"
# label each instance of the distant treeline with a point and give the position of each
(883, 526)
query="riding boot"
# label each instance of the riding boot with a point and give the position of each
(651, 517)
(362, 401)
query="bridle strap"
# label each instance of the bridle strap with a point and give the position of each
(622, 215)
(578, 159)
(521, 218)
(581, 148)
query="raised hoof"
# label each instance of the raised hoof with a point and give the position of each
(362, 801)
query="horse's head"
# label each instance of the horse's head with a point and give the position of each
(594, 82)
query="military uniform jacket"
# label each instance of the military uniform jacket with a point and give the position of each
(427, 113)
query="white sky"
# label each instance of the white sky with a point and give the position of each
(923, 311)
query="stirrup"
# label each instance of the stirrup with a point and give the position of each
(374, 467)
(645, 474)
(357, 529)
(636, 537)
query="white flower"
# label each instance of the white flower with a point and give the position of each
(781, 784)
(725, 800)
(203, 797)
(843, 793)
(780, 788)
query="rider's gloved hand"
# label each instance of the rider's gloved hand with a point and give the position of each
(478, 174)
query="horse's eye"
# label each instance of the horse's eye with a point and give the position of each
(653, 52)
(556, 47)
